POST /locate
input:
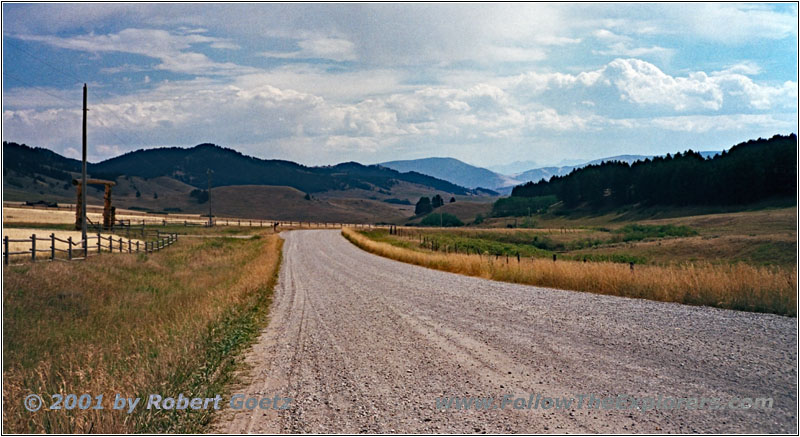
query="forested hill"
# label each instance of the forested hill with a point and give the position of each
(229, 167)
(748, 172)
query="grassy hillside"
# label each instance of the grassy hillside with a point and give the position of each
(672, 262)
(285, 203)
(465, 211)
(759, 237)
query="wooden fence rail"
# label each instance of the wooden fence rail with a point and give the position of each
(94, 244)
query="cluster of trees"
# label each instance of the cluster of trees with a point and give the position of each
(749, 172)
(426, 205)
(200, 195)
(521, 206)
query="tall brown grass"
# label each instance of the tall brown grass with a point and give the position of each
(738, 286)
(166, 323)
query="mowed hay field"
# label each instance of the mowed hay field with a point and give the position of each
(14, 215)
(169, 322)
(735, 286)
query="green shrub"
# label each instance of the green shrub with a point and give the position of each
(444, 219)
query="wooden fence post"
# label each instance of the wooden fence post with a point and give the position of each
(33, 247)
(99, 247)
(120, 244)
(52, 246)
(5, 250)
(129, 246)
(137, 246)
(69, 248)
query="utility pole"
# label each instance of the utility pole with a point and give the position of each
(210, 219)
(83, 177)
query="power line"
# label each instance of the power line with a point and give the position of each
(36, 87)
(42, 90)
(66, 73)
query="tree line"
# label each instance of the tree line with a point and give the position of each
(747, 173)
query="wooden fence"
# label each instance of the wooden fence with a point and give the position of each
(77, 250)
(131, 227)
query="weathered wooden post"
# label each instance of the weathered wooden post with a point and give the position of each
(52, 246)
(130, 246)
(33, 247)
(5, 250)
(69, 248)
(137, 246)
(99, 246)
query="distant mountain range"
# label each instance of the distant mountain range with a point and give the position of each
(453, 170)
(515, 167)
(461, 173)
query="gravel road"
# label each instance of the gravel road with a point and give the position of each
(366, 344)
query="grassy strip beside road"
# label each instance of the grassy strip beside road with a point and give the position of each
(737, 286)
(165, 323)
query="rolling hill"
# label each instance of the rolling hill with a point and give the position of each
(163, 179)
(190, 165)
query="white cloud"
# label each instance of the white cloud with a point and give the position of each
(335, 49)
(168, 47)
(722, 123)
(735, 23)
(644, 84)
(625, 49)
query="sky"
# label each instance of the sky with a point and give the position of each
(321, 84)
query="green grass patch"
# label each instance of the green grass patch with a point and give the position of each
(637, 232)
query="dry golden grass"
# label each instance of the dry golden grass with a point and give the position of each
(737, 286)
(165, 323)
(63, 216)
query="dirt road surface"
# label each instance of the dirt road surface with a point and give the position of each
(366, 344)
